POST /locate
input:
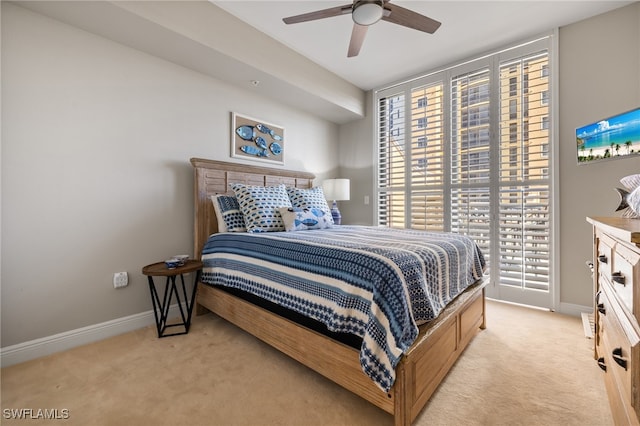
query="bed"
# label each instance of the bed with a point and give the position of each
(420, 368)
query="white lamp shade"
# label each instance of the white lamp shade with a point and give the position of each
(336, 189)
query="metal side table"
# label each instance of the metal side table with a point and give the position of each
(161, 307)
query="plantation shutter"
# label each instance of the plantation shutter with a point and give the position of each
(391, 161)
(468, 150)
(524, 172)
(470, 157)
(427, 158)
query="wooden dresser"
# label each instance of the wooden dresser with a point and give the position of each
(616, 264)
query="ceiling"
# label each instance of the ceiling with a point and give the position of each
(391, 52)
(226, 40)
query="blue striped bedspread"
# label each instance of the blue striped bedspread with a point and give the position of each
(377, 283)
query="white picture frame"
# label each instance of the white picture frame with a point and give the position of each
(255, 139)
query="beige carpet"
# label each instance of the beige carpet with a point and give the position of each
(528, 367)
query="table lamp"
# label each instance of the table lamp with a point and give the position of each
(336, 189)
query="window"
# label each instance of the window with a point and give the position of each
(544, 72)
(513, 109)
(485, 171)
(513, 132)
(513, 86)
(544, 123)
(544, 98)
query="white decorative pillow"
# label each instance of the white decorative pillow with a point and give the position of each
(230, 218)
(259, 205)
(299, 219)
(309, 199)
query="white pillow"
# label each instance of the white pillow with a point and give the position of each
(299, 219)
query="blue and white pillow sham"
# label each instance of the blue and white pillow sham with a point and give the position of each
(260, 204)
(309, 199)
(230, 218)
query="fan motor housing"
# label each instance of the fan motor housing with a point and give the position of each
(367, 12)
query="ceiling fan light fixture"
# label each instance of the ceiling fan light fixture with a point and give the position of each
(367, 12)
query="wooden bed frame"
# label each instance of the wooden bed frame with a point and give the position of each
(420, 370)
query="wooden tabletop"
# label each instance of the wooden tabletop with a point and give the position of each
(160, 269)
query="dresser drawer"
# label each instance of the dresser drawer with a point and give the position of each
(604, 256)
(616, 351)
(619, 350)
(625, 276)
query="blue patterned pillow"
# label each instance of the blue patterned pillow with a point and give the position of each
(309, 199)
(230, 218)
(299, 219)
(259, 205)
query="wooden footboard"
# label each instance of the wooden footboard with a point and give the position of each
(437, 348)
(418, 374)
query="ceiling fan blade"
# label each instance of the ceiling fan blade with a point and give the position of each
(319, 14)
(408, 18)
(357, 38)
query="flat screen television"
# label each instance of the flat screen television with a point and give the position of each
(612, 138)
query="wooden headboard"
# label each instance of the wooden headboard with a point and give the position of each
(214, 177)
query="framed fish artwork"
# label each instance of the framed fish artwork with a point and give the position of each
(255, 139)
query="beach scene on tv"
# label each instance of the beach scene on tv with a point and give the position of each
(614, 137)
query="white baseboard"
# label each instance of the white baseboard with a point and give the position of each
(37, 348)
(574, 310)
(564, 308)
(70, 339)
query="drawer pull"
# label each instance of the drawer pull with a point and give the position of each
(602, 309)
(601, 364)
(603, 258)
(618, 278)
(617, 357)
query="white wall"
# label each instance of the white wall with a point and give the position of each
(599, 77)
(357, 151)
(96, 141)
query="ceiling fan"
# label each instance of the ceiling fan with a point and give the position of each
(367, 12)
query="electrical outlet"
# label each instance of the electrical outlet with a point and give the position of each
(120, 279)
